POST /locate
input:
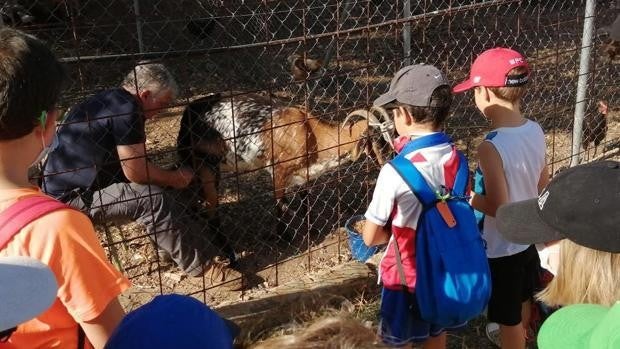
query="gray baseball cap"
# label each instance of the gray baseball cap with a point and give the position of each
(413, 85)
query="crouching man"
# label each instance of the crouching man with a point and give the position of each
(97, 163)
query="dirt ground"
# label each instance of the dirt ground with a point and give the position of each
(247, 203)
(136, 255)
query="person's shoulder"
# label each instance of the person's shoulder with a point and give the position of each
(534, 125)
(387, 178)
(388, 171)
(117, 100)
(64, 221)
(120, 97)
(487, 150)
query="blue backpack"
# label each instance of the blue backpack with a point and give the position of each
(453, 282)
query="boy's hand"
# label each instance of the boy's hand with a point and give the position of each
(374, 234)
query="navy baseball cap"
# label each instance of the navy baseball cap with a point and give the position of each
(173, 321)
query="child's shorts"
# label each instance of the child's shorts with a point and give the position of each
(401, 322)
(514, 280)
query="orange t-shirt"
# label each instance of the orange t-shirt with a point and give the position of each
(65, 240)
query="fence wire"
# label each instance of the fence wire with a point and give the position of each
(242, 47)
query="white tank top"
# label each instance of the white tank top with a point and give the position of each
(522, 150)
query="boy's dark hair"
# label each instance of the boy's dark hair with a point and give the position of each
(512, 94)
(440, 102)
(31, 79)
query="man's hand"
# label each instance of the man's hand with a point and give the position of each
(182, 178)
(139, 170)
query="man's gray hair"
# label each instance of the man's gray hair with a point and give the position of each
(151, 76)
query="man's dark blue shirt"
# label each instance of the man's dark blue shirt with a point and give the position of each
(83, 155)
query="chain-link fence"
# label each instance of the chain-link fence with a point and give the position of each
(271, 51)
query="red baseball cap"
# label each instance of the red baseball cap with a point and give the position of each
(491, 68)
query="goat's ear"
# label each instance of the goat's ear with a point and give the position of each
(358, 149)
(350, 127)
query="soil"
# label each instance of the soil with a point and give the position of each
(359, 226)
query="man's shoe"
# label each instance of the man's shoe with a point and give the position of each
(219, 273)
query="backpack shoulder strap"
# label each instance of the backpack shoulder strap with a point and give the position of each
(410, 174)
(24, 211)
(414, 179)
(462, 176)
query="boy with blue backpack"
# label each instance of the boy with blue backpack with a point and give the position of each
(511, 168)
(434, 272)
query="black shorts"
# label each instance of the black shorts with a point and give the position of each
(514, 280)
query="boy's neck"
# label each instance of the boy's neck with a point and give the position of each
(505, 114)
(420, 129)
(13, 165)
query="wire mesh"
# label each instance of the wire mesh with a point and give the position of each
(245, 47)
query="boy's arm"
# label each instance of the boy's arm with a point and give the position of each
(89, 285)
(100, 329)
(375, 234)
(378, 215)
(544, 179)
(495, 184)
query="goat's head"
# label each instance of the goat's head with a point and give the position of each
(302, 67)
(199, 144)
(374, 133)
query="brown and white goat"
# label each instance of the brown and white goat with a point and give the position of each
(249, 132)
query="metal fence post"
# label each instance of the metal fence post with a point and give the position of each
(582, 83)
(407, 32)
(136, 8)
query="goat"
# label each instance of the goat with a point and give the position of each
(595, 127)
(250, 132)
(302, 67)
(20, 12)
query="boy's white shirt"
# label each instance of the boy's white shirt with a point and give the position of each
(392, 190)
(391, 186)
(522, 150)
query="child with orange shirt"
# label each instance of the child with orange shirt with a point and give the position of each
(86, 309)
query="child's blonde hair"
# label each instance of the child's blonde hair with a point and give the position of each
(512, 94)
(332, 332)
(584, 276)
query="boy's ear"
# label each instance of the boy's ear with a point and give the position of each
(405, 113)
(144, 94)
(52, 116)
(486, 93)
(47, 121)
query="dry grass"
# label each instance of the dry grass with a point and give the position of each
(365, 309)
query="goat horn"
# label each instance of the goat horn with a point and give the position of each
(359, 112)
(386, 125)
(384, 114)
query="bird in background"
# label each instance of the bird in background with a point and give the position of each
(595, 127)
